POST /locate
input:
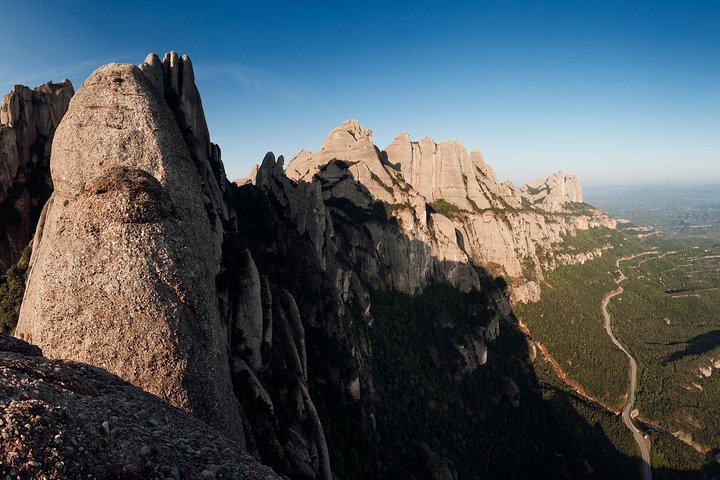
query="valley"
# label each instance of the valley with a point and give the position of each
(627, 410)
(679, 211)
(665, 313)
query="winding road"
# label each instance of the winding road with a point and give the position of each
(643, 446)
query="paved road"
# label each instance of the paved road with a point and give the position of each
(626, 413)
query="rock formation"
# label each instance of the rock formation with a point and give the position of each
(68, 420)
(28, 119)
(149, 263)
(123, 272)
(554, 193)
(509, 230)
(446, 171)
(351, 143)
(174, 80)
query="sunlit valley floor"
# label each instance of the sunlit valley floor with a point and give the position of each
(667, 317)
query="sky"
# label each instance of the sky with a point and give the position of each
(617, 92)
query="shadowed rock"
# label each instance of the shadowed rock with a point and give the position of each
(67, 420)
(123, 272)
(28, 119)
(452, 202)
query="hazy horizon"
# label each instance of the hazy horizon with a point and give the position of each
(616, 93)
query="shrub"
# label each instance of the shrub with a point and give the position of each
(444, 207)
(12, 290)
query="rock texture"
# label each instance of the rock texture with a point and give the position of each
(446, 171)
(452, 204)
(174, 80)
(28, 119)
(554, 193)
(67, 420)
(123, 271)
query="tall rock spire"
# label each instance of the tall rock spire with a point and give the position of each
(123, 271)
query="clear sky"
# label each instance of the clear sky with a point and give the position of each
(624, 92)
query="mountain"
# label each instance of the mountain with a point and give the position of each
(452, 202)
(125, 242)
(347, 317)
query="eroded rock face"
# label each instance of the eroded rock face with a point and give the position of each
(28, 119)
(174, 80)
(353, 144)
(123, 271)
(446, 171)
(68, 420)
(508, 230)
(554, 193)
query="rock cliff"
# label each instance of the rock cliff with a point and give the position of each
(28, 119)
(452, 202)
(554, 193)
(122, 273)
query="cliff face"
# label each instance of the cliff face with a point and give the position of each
(327, 253)
(453, 203)
(552, 194)
(28, 119)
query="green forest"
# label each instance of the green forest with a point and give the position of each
(668, 319)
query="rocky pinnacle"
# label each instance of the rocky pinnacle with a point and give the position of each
(122, 272)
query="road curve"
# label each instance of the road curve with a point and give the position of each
(626, 413)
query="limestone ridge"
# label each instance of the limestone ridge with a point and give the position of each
(28, 119)
(513, 231)
(123, 271)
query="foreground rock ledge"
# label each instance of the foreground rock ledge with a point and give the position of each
(61, 419)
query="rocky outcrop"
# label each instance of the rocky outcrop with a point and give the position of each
(554, 193)
(68, 420)
(28, 119)
(353, 144)
(174, 80)
(122, 273)
(446, 171)
(450, 204)
(345, 244)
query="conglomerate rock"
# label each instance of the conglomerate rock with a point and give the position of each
(496, 225)
(122, 274)
(28, 119)
(66, 420)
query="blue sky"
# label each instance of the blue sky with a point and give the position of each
(617, 92)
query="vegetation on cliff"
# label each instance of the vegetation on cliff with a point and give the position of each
(12, 289)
